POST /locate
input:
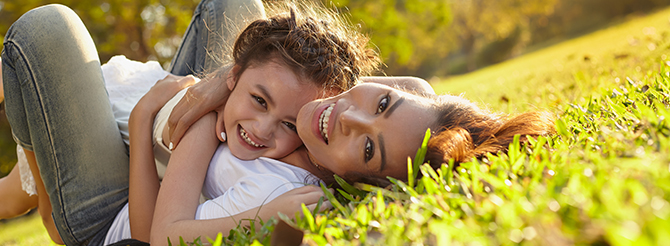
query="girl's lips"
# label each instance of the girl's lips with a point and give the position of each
(315, 121)
(244, 142)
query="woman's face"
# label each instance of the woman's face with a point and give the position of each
(370, 129)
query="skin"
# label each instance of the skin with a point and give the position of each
(263, 113)
(372, 130)
(264, 104)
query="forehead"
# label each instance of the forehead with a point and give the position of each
(404, 134)
(280, 83)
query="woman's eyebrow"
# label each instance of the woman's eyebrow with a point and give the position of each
(393, 107)
(382, 150)
(266, 94)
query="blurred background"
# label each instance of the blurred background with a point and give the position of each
(431, 39)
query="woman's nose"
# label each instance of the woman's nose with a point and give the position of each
(352, 120)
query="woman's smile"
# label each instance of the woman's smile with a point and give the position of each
(324, 119)
(371, 128)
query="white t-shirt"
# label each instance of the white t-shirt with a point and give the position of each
(232, 185)
(235, 186)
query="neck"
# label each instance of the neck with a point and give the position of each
(300, 158)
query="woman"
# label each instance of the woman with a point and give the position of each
(355, 121)
(364, 135)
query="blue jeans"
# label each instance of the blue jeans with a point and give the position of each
(211, 35)
(57, 106)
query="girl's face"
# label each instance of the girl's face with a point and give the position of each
(260, 115)
(369, 130)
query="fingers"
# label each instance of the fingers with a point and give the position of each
(184, 119)
(324, 206)
(187, 81)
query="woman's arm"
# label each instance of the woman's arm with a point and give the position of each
(13, 200)
(143, 180)
(407, 83)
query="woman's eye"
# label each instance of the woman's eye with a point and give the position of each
(383, 104)
(291, 126)
(369, 149)
(260, 101)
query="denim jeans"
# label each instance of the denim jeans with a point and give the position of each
(57, 106)
(211, 35)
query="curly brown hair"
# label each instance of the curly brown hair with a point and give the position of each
(314, 42)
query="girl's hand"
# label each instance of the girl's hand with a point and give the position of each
(163, 91)
(290, 202)
(202, 98)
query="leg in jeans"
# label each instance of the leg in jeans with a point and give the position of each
(211, 34)
(58, 108)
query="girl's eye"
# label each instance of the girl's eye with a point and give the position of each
(260, 101)
(290, 126)
(383, 104)
(369, 149)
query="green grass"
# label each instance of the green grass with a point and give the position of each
(26, 230)
(604, 179)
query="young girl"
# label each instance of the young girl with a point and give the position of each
(257, 63)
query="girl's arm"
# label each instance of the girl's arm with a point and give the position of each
(144, 182)
(408, 83)
(179, 195)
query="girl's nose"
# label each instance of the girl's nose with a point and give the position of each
(264, 129)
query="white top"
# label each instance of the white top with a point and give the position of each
(233, 185)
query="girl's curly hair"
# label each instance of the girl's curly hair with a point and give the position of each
(314, 42)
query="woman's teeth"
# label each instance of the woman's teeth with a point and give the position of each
(323, 121)
(246, 138)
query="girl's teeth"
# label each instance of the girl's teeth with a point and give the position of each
(246, 138)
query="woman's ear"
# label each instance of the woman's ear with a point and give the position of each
(231, 81)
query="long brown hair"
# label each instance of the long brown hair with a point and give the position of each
(466, 131)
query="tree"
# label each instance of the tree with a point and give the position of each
(139, 29)
(405, 31)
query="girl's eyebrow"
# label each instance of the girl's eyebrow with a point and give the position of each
(265, 93)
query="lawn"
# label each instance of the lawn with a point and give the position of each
(26, 230)
(604, 179)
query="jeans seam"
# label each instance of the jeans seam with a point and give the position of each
(19, 52)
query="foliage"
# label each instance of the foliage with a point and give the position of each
(404, 31)
(604, 179)
(139, 29)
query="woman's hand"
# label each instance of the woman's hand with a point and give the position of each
(162, 92)
(290, 202)
(201, 98)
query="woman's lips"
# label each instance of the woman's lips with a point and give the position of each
(316, 130)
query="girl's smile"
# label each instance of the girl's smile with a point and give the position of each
(262, 108)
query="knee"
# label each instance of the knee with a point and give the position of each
(43, 19)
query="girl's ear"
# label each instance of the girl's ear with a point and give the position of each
(220, 127)
(232, 77)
